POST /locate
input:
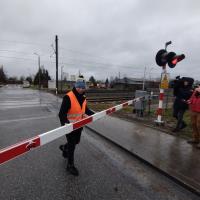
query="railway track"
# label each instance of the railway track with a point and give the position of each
(107, 99)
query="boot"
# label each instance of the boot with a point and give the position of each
(183, 125)
(72, 169)
(193, 141)
(175, 130)
(64, 150)
(198, 146)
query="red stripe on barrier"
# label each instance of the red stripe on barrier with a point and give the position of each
(82, 122)
(109, 111)
(125, 104)
(161, 96)
(18, 149)
(159, 111)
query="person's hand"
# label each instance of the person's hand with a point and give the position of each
(188, 101)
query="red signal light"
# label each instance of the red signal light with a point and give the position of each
(174, 62)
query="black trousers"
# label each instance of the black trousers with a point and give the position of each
(178, 114)
(73, 139)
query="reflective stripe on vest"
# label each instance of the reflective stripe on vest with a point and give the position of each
(75, 113)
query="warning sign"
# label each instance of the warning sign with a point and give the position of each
(164, 81)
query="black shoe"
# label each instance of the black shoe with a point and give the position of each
(183, 126)
(72, 170)
(193, 141)
(64, 151)
(176, 130)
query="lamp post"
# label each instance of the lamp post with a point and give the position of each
(39, 81)
(150, 73)
(144, 77)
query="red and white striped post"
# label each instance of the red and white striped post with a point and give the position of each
(160, 104)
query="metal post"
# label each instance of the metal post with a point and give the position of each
(39, 78)
(161, 96)
(56, 42)
(160, 105)
(166, 105)
(39, 72)
(61, 78)
(144, 79)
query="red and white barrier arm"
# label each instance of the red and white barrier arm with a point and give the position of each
(25, 146)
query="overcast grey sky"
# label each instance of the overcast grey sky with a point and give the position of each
(99, 37)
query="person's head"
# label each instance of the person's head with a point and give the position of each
(197, 91)
(80, 85)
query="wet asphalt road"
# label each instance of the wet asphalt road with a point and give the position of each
(106, 172)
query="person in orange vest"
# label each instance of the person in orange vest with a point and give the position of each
(73, 108)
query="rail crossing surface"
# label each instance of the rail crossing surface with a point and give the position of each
(106, 171)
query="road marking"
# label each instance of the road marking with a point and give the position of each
(25, 119)
(22, 106)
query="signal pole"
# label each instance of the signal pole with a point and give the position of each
(161, 95)
(56, 52)
(162, 59)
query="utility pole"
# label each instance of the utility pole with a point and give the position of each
(56, 41)
(39, 72)
(61, 77)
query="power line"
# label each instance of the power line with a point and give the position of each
(26, 43)
(16, 58)
(81, 53)
(65, 63)
(92, 62)
(22, 52)
(70, 50)
(13, 51)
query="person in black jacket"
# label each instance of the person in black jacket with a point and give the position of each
(73, 138)
(182, 94)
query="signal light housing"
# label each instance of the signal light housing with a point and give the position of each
(163, 57)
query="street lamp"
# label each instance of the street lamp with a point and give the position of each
(144, 77)
(150, 73)
(39, 69)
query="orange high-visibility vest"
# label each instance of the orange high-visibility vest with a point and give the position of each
(75, 113)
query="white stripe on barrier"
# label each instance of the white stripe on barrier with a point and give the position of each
(99, 115)
(131, 101)
(119, 107)
(55, 133)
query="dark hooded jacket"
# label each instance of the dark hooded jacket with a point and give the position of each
(183, 94)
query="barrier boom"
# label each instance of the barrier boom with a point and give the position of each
(25, 146)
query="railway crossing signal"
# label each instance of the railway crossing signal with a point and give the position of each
(163, 57)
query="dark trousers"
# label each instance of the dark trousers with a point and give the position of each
(73, 139)
(195, 121)
(178, 114)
